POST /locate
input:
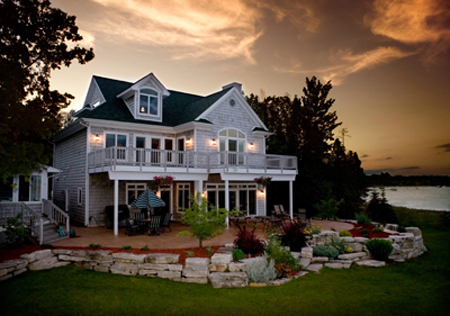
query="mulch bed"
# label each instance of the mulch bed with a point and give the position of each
(356, 231)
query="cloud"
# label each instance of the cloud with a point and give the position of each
(410, 168)
(415, 22)
(365, 156)
(446, 147)
(191, 28)
(378, 171)
(347, 63)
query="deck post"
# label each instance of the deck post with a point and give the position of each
(227, 201)
(116, 207)
(291, 199)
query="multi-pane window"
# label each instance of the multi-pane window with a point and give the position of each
(148, 102)
(242, 196)
(134, 190)
(233, 142)
(116, 140)
(183, 196)
(30, 190)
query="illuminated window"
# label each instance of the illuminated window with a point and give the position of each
(148, 102)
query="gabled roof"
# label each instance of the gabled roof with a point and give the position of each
(178, 108)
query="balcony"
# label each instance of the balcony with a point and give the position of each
(153, 160)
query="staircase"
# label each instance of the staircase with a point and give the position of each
(51, 233)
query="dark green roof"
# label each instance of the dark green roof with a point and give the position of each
(178, 108)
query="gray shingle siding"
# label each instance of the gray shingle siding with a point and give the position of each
(70, 157)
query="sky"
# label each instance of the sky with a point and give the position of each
(388, 62)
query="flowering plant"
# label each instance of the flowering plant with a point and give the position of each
(163, 180)
(263, 181)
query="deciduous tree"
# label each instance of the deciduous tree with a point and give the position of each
(35, 39)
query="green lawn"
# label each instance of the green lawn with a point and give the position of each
(418, 287)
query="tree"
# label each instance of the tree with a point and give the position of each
(205, 224)
(34, 40)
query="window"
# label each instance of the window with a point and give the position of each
(30, 190)
(242, 196)
(183, 196)
(233, 142)
(118, 141)
(134, 190)
(6, 190)
(79, 197)
(148, 102)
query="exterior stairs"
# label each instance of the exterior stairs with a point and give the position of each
(51, 233)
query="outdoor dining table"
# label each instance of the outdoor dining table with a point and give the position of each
(151, 232)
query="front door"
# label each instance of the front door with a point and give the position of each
(166, 196)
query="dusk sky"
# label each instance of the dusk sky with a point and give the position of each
(388, 62)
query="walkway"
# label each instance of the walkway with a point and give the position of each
(168, 240)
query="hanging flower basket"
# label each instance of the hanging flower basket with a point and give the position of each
(262, 181)
(167, 180)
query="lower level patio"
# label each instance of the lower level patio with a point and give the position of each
(169, 240)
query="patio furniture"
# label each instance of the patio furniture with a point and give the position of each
(301, 215)
(140, 220)
(154, 225)
(166, 222)
(132, 229)
(124, 213)
(280, 214)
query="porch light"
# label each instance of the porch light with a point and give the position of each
(252, 145)
(97, 138)
(188, 140)
(213, 142)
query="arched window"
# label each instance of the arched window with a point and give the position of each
(233, 142)
(148, 102)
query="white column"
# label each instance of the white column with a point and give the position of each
(291, 199)
(227, 201)
(199, 187)
(116, 207)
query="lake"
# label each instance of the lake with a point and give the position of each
(423, 198)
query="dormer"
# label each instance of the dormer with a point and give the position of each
(144, 98)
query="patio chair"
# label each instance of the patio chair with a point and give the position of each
(139, 219)
(280, 212)
(166, 222)
(132, 229)
(301, 215)
(155, 225)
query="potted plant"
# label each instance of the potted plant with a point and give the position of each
(167, 180)
(262, 182)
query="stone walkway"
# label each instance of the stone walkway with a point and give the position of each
(168, 240)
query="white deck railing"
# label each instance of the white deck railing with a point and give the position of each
(55, 214)
(113, 157)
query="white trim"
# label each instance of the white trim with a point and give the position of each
(94, 85)
(137, 85)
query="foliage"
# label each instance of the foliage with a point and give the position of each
(265, 181)
(259, 271)
(189, 253)
(127, 247)
(380, 249)
(311, 229)
(209, 251)
(325, 251)
(378, 230)
(293, 236)
(35, 39)
(401, 229)
(248, 242)
(364, 232)
(204, 224)
(238, 254)
(362, 219)
(47, 246)
(380, 211)
(345, 233)
(339, 246)
(328, 208)
(285, 263)
(15, 231)
(145, 248)
(95, 246)
(163, 180)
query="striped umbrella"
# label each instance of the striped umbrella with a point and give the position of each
(147, 198)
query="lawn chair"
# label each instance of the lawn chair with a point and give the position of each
(166, 222)
(155, 225)
(301, 215)
(282, 213)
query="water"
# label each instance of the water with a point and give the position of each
(422, 198)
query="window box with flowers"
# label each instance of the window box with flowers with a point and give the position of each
(262, 182)
(167, 180)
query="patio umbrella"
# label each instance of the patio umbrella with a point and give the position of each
(147, 198)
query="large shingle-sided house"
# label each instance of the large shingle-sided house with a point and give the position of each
(128, 133)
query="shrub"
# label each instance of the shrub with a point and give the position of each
(328, 208)
(145, 248)
(238, 254)
(380, 249)
(209, 251)
(339, 246)
(325, 251)
(285, 263)
(126, 247)
(95, 246)
(189, 253)
(15, 231)
(47, 246)
(345, 233)
(312, 230)
(378, 230)
(364, 232)
(401, 229)
(380, 211)
(260, 271)
(362, 219)
(248, 242)
(293, 236)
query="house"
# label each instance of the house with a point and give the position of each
(128, 133)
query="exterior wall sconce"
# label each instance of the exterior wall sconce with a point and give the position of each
(97, 138)
(252, 145)
(188, 140)
(213, 142)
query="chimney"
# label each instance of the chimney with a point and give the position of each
(236, 85)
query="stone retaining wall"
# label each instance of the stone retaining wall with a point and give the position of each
(219, 270)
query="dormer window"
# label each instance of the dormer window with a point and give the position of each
(148, 102)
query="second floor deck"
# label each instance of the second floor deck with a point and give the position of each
(155, 160)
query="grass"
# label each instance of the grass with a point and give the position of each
(420, 286)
